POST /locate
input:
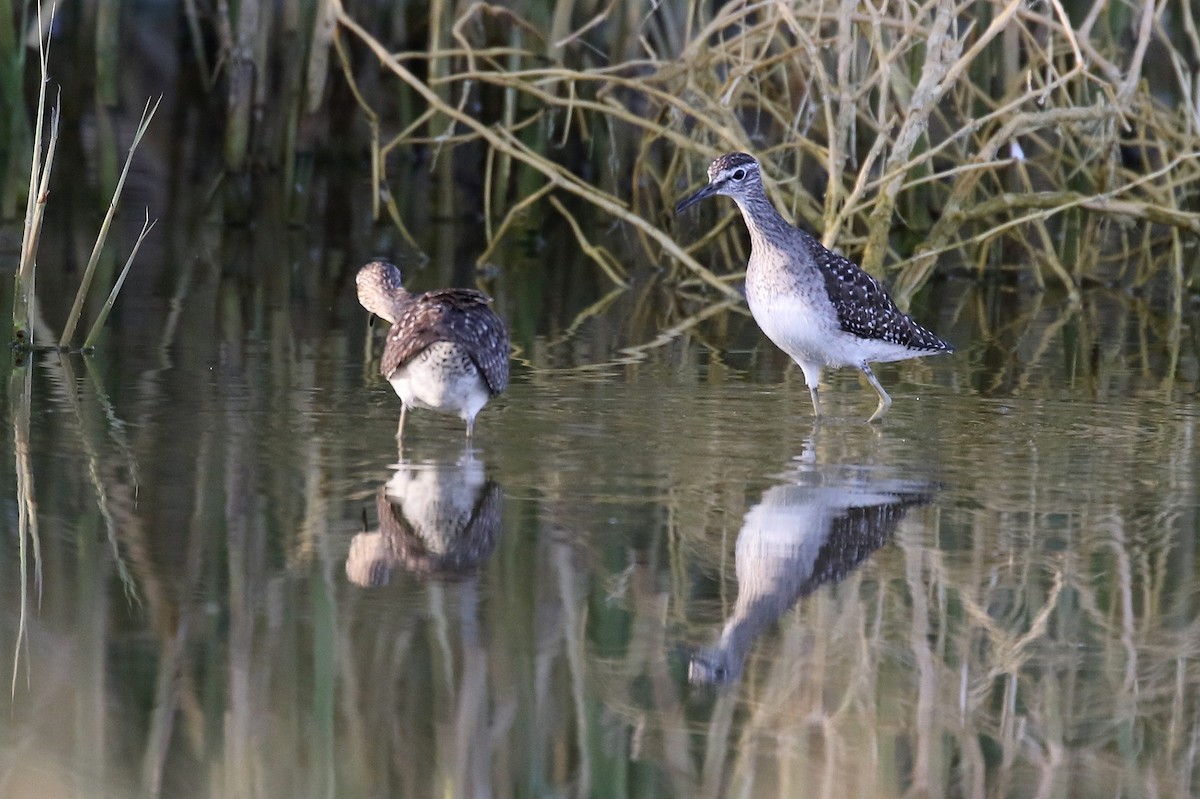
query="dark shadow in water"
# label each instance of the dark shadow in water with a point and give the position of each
(439, 519)
(801, 536)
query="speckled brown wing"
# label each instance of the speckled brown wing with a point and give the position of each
(863, 306)
(461, 316)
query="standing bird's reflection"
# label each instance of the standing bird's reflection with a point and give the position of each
(798, 538)
(440, 519)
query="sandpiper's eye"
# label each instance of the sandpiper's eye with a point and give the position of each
(739, 175)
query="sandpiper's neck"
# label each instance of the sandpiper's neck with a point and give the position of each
(390, 306)
(768, 229)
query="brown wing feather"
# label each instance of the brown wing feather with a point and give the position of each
(461, 316)
(864, 307)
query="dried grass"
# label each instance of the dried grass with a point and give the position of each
(901, 131)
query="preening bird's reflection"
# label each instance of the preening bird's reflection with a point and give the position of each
(439, 519)
(797, 538)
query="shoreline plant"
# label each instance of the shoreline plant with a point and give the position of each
(900, 131)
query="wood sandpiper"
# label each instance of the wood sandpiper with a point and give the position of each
(446, 351)
(818, 307)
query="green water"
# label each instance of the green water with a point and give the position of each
(991, 593)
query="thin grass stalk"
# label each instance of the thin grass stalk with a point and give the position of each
(89, 271)
(23, 293)
(101, 317)
(489, 174)
(264, 90)
(393, 210)
(34, 234)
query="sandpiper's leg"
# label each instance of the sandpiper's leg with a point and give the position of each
(885, 401)
(812, 376)
(470, 429)
(400, 427)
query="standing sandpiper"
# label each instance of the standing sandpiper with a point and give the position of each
(818, 307)
(446, 351)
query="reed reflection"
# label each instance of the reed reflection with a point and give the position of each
(799, 537)
(436, 518)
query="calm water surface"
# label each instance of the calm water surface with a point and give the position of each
(651, 576)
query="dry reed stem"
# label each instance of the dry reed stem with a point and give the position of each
(501, 140)
(323, 38)
(608, 264)
(378, 154)
(86, 282)
(101, 317)
(25, 283)
(877, 114)
(34, 227)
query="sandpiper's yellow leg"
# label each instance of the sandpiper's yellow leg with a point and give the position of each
(885, 401)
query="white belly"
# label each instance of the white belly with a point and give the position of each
(442, 378)
(812, 336)
(794, 325)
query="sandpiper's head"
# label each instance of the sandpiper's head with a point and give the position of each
(715, 667)
(733, 174)
(369, 562)
(379, 284)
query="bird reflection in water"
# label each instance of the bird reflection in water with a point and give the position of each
(796, 539)
(437, 519)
